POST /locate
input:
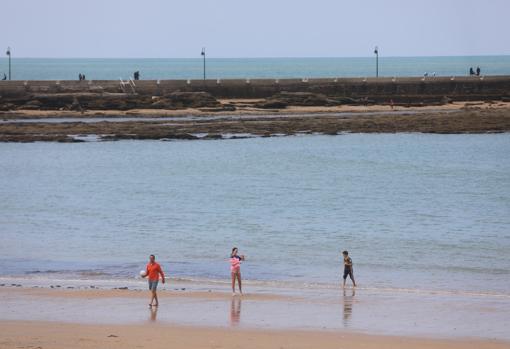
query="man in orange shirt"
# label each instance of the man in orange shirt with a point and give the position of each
(152, 272)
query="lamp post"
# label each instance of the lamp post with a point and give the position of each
(376, 52)
(8, 53)
(203, 55)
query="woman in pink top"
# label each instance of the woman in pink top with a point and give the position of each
(235, 270)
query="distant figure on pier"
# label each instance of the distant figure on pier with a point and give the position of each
(471, 71)
(426, 74)
(80, 77)
(5, 77)
(478, 70)
(83, 76)
(136, 75)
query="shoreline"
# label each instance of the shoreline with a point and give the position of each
(195, 124)
(352, 310)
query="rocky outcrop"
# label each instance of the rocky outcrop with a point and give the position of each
(109, 101)
(303, 99)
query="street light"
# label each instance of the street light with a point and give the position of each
(376, 52)
(203, 54)
(8, 53)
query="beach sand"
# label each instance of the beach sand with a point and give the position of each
(27, 334)
(91, 318)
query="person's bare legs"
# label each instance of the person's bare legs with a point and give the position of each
(233, 283)
(155, 297)
(353, 282)
(239, 282)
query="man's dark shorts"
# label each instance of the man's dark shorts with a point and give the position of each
(348, 271)
(153, 285)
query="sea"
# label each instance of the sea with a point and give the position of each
(249, 68)
(417, 212)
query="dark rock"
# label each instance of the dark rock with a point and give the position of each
(192, 100)
(75, 105)
(31, 105)
(271, 104)
(7, 106)
(305, 99)
(162, 104)
(229, 107)
(446, 100)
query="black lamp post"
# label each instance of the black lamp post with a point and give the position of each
(203, 55)
(8, 53)
(376, 51)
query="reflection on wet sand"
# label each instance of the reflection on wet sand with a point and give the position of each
(235, 311)
(154, 314)
(348, 300)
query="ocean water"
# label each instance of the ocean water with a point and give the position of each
(224, 68)
(416, 211)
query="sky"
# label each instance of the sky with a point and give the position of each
(256, 28)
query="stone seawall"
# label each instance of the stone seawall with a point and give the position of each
(379, 90)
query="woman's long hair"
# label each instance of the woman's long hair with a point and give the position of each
(232, 253)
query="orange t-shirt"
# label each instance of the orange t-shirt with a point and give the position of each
(153, 271)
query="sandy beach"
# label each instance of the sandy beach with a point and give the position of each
(82, 317)
(29, 334)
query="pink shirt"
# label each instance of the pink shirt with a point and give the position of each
(235, 263)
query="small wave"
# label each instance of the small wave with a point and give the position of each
(262, 285)
(31, 272)
(94, 273)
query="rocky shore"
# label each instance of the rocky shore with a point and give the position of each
(75, 112)
(249, 121)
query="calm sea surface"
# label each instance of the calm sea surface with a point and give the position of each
(191, 68)
(422, 212)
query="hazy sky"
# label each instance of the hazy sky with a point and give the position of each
(257, 28)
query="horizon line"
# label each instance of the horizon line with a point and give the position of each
(264, 57)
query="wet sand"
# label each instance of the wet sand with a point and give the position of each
(193, 124)
(417, 317)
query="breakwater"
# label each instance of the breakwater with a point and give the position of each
(379, 90)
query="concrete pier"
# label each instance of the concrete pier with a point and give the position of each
(379, 90)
